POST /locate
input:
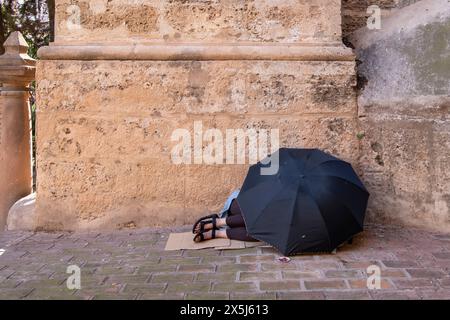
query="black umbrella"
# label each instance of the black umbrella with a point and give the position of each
(314, 203)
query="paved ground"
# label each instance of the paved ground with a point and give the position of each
(132, 265)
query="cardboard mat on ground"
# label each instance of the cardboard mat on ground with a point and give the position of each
(180, 241)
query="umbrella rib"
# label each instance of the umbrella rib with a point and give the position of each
(345, 206)
(326, 161)
(318, 207)
(340, 178)
(265, 182)
(260, 215)
(268, 202)
(351, 212)
(292, 214)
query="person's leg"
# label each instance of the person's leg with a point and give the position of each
(234, 208)
(233, 220)
(239, 234)
(236, 221)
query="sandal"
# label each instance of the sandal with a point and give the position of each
(200, 237)
(209, 219)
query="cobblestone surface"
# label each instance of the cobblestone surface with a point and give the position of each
(132, 264)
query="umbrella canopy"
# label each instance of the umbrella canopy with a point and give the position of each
(314, 203)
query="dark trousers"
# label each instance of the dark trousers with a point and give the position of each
(235, 221)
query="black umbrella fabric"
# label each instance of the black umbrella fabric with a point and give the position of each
(314, 203)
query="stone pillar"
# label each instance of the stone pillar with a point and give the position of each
(16, 72)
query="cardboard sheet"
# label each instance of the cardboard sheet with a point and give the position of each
(179, 241)
(255, 244)
(234, 244)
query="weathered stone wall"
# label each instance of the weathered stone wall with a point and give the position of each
(354, 12)
(112, 91)
(213, 21)
(104, 131)
(404, 113)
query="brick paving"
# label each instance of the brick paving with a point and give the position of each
(132, 264)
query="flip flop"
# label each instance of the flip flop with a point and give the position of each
(211, 219)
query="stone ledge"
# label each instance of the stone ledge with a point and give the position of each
(197, 52)
(427, 107)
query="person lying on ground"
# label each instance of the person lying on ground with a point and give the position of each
(231, 227)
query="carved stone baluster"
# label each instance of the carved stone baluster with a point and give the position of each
(17, 70)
